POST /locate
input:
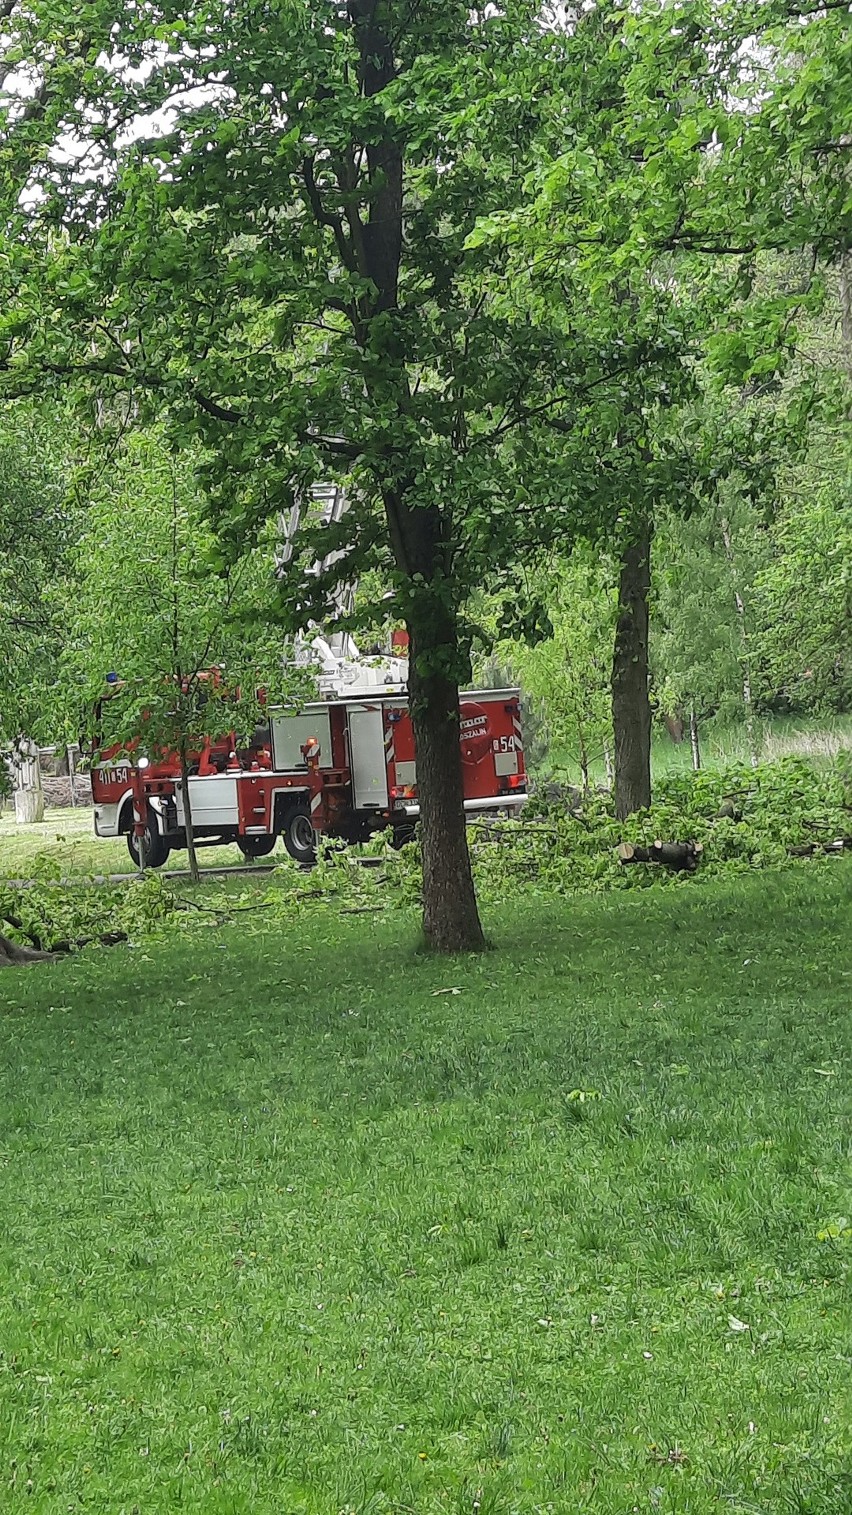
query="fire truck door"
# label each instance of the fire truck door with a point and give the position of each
(367, 755)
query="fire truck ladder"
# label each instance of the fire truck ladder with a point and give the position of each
(342, 664)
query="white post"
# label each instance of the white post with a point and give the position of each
(29, 795)
(72, 768)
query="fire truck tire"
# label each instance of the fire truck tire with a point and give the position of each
(299, 835)
(256, 846)
(402, 835)
(155, 848)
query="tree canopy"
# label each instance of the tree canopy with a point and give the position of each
(39, 524)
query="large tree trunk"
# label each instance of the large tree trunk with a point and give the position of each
(450, 915)
(631, 705)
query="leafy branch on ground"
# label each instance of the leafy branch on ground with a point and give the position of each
(744, 819)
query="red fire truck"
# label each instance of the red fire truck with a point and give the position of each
(343, 767)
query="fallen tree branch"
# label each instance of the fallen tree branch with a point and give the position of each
(13, 956)
(37, 951)
(105, 939)
(521, 828)
(809, 849)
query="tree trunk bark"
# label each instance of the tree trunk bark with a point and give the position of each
(29, 806)
(584, 758)
(29, 795)
(72, 774)
(450, 915)
(846, 310)
(631, 705)
(187, 817)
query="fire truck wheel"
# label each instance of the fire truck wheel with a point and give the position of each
(299, 835)
(154, 848)
(256, 846)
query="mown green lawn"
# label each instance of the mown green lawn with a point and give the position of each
(722, 745)
(286, 1227)
(67, 838)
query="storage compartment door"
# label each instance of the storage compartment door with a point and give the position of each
(214, 802)
(291, 732)
(367, 753)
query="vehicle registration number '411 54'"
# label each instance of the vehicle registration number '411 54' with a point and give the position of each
(115, 775)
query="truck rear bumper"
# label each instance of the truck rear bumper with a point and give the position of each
(497, 804)
(106, 820)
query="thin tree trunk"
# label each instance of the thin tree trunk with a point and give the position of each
(29, 794)
(693, 739)
(584, 758)
(846, 310)
(187, 816)
(745, 661)
(450, 915)
(609, 770)
(631, 705)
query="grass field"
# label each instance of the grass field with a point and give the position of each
(68, 837)
(723, 745)
(287, 1226)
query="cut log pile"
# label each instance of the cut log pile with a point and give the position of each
(681, 857)
(684, 857)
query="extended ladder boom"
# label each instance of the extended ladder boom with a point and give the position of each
(343, 669)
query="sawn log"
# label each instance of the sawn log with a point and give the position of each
(679, 856)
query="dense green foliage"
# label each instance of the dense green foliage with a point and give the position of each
(280, 1231)
(745, 819)
(39, 526)
(150, 605)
